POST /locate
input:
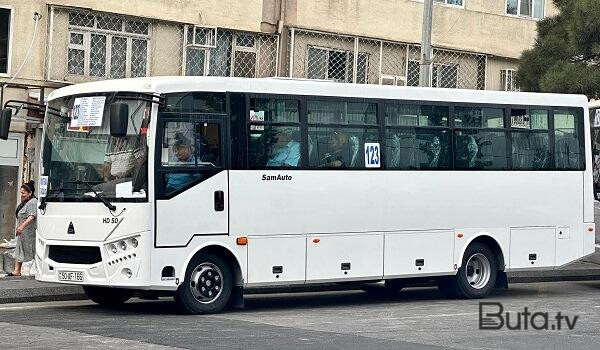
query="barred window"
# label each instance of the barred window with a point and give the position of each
(216, 52)
(336, 65)
(507, 80)
(107, 46)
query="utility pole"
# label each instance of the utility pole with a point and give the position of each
(425, 73)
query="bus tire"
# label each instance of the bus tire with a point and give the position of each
(478, 272)
(106, 296)
(207, 286)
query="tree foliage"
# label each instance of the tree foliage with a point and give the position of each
(566, 55)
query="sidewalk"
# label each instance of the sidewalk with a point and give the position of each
(27, 289)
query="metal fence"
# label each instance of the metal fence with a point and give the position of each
(87, 45)
(352, 59)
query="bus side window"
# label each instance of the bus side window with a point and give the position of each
(480, 138)
(567, 139)
(337, 132)
(274, 137)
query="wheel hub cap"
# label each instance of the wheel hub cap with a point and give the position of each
(206, 282)
(478, 271)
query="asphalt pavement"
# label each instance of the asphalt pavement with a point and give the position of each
(416, 318)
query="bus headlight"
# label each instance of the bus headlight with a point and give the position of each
(126, 273)
(134, 242)
(123, 245)
(113, 248)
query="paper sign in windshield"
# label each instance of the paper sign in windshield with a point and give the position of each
(88, 111)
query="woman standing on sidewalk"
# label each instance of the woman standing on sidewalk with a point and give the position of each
(26, 224)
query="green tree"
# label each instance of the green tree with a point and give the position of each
(566, 55)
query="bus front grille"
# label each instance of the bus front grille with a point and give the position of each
(74, 254)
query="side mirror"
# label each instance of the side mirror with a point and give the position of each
(119, 118)
(5, 123)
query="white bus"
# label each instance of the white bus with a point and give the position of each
(199, 187)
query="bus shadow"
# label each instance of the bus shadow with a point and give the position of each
(339, 298)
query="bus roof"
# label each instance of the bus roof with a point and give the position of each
(317, 88)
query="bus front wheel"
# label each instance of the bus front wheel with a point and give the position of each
(477, 275)
(107, 296)
(207, 285)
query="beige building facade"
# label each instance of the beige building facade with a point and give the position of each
(476, 45)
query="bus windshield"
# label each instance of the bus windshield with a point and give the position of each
(77, 156)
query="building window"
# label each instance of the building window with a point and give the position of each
(108, 46)
(221, 53)
(525, 8)
(507, 80)
(442, 75)
(336, 65)
(450, 2)
(5, 21)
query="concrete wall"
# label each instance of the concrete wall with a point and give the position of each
(481, 26)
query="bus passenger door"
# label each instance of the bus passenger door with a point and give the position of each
(191, 180)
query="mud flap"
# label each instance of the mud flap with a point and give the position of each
(501, 280)
(236, 300)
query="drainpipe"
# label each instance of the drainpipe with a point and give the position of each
(283, 40)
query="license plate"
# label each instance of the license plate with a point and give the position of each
(71, 276)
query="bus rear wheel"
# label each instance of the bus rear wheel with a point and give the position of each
(207, 285)
(476, 277)
(106, 296)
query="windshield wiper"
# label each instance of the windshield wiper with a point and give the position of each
(106, 203)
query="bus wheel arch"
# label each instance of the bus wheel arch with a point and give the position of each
(492, 243)
(210, 280)
(480, 270)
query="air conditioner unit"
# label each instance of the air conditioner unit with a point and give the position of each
(393, 80)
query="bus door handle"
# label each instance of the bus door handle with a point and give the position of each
(219, 201)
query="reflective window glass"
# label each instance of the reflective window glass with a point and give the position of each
(330, 147)
(416, 115)
(531, 150)
(274, 146)
(479, 117)
(415, 148)
(340, 112)
(567, 136)
(274, 110)
(479, 149)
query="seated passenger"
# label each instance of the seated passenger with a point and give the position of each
(339, 151)
(286, 152)
(183, 153)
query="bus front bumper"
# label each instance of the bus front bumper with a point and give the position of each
(118, 263)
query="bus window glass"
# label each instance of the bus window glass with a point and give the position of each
(274, 110)
(341, 112)
(414, 148)
(532, 119)
(274, 146)
(480, 149)
(478, 117)
(331, 147)
(187, 149)
(416, 115)
(195, 102)
(539, 119)
(568, 153)
(178, 146)
(530, 150)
